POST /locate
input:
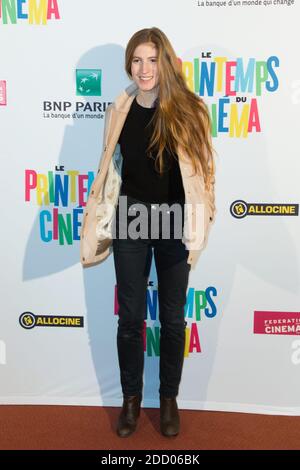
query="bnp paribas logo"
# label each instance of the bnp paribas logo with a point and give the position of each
(88, 82)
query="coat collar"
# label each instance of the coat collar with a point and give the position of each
(123, 101)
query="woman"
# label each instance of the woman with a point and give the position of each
(162, 133)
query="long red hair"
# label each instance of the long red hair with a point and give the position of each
(181, 117)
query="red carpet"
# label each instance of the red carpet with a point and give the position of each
(70, 427)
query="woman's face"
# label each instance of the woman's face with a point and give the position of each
(144, 67)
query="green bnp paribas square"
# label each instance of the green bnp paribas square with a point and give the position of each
(88, 82)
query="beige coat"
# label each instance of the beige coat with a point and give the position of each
(96, 232)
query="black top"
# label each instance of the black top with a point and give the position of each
(140, 179)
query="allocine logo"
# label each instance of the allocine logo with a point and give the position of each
(88, 82)
(32, 11)
(28, 321)
(240, 209)
(3, 93)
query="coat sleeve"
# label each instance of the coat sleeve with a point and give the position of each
(211, 186)
(107, 120)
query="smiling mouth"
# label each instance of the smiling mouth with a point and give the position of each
(146, 78)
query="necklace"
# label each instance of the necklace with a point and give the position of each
(146, 105)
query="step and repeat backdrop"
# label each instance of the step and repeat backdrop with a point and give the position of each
(61, 64)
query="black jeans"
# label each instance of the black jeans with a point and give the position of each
(132, 259)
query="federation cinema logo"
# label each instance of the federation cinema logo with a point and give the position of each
(28, 321)
(276, 323)
(3, 101)
(240, 209)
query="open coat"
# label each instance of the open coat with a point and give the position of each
(96, 231)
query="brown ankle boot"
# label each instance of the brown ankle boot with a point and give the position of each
(129, 415)
(169, 416)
